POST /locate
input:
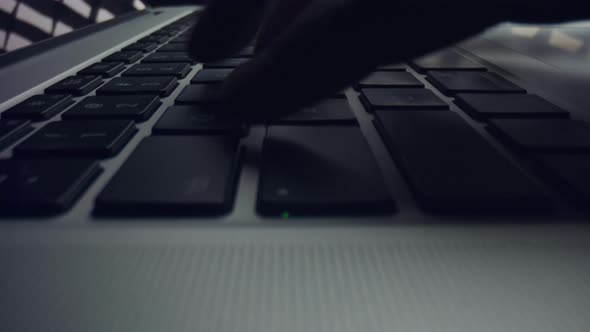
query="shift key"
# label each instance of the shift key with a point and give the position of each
(451, 168)
(174, 175)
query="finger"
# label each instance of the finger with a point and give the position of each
(280, 16)
(326, 51)
(225, 27)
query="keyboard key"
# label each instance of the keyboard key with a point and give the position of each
(389, 79)
(123, 56)
(104, 69)
(182, 39)
(211, 76)
(188, 175)
(393, 67)
(180, 70)
(97, 138)
(199, 94)
(39, 108)
(138, 108)
(329, 111)
(321, 170)
(43, 187)
(154, 39)
(158, 85)
(446, 60)
(12, 130)
(543, 135)
(453, 82)
(75, 85)
(174, 47)
(485, 106)
(400, 99)
(195, 120)
(227, 63)
(144, 47)
(451, 168)
(168, 57)
(570, 172)
(161, 33)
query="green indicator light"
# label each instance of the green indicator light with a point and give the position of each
(285, 215)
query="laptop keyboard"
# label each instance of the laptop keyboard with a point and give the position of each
(313, 162)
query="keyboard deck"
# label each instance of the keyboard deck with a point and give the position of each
(465, 140)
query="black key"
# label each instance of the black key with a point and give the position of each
(400, 99)
(320, 170)
(211, 75)
(329, 111)
(227, 63)
(485, 106)
(154, 39)
(570, 173)
(188, 175)
(138, 108)
(97, 138)
(39, 108)
(452, 168)
(199, 94)
(144, 47)
(195, 120)
(168, 57)
(12, 130)
(75, 85)
(182, 39)
(389, 79)
(446, 60)
(543, 135)
(123, 56)
(393, 67)
(104, 69)
(162, 33)
(174, 47)
(43, 187)
(453, 82)
(158, 85)
(179, 69)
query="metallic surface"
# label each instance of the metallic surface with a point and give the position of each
(241, 272)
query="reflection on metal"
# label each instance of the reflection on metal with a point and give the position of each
(138, 4)
(525, 31)
(565, 42)
(79, 6)
(562, 45)
(23, 22)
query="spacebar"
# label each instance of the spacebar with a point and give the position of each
(451, 168)
(174, 175)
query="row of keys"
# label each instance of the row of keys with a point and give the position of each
(44, 186)
(195, 120)
(305, 170)
(557, 146)
(196, 175)
(110, 69)
(43, 107)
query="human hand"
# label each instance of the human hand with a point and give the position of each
(309, 49)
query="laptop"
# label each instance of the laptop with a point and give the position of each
(448, 193)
